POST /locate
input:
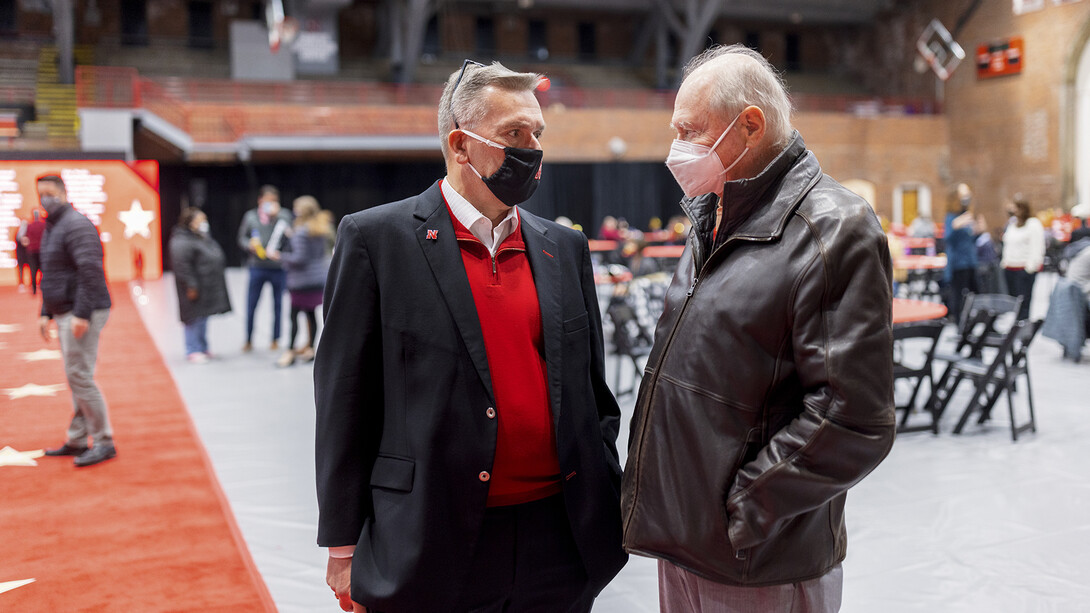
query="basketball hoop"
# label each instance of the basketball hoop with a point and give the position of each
(282, 29)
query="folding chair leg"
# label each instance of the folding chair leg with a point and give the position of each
(974, 403)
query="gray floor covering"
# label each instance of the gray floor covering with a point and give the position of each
(970, 523)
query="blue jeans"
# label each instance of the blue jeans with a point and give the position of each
(196, 336)
(258, 278)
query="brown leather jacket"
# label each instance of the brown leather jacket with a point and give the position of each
(769, 391)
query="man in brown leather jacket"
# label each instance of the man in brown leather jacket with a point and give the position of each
(769, 391)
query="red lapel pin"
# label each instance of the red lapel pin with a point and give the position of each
(433, 235)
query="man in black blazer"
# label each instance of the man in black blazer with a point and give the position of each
(466, 456)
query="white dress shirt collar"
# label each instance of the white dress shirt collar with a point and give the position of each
(479, 225)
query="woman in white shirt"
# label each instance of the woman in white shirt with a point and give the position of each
(1023, 252)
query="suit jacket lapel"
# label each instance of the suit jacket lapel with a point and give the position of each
(542, 253)
(435, 231)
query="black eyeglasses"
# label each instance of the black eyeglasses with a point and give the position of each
(455, 89)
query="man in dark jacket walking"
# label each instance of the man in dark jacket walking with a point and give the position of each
(74, 295)
(769, 391)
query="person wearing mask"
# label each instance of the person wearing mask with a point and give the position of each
(75, 298)
(198, 262)
(466, 438)
(1023, 252)
(33, 239)
(961, 263)
(768, 392)
(262, 235)
(307, 264)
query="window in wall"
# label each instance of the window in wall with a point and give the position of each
(431, 37)
(486, 37)
(200, 24)
(536, 42)
(588, 44)
(134, 22)
(753, 40)
(793, 52)
(7, 16)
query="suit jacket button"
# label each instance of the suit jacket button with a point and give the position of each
(491, 413)
(484, 476)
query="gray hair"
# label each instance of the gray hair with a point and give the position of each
(752, 81)
(468, 105)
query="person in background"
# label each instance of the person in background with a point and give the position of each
(1082, 230)
(262, 234)
(960, 272)
(1023, 252)
(33, 239)
(769, 390)
(198, 262)
(610, 229)
(76, 299)
(307, 264)
(21, 260)
(989, 274)
(922, 226)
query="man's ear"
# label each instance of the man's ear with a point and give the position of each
(456, 144)
(753, 125)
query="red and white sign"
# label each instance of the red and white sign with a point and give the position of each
(999, 58)
(121, 199)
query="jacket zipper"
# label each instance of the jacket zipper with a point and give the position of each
(652, 386)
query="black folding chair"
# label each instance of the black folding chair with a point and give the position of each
(992, 377)
(1005, 308)
(970, 345)
(630, 341)
(916, 367)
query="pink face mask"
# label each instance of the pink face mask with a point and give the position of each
(696, 168)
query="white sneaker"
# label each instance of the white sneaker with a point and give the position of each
(197, 358)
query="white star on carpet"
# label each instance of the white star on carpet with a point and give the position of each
(39, 355)
(7, 328)
(11, 585)
(136, 220)
(10, 457)
(33, 389)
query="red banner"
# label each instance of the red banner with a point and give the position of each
(121, 199)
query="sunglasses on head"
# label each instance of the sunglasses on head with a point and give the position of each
(456, 84)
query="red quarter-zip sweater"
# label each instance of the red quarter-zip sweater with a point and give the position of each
(525, 467)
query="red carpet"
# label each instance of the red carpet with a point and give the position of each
(147, 531)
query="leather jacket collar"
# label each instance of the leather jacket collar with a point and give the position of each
(748, 211)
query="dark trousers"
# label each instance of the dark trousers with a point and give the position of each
(258, 278)
(34, 258)
(1020, 283)
(312, 326)
(526, 561)
(961, 281)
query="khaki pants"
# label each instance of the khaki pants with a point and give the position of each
(683, 592)
(90, 417)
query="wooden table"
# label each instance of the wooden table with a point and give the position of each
(905, 310)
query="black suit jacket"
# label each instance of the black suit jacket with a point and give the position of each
(402, 387)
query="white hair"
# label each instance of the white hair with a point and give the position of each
(742, 77)
(468, 107)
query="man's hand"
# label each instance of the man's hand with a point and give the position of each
(338, 575)
(192, 293)
(43, 327)
(79, 326)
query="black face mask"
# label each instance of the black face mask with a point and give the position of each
(517, 178)
(52, 204)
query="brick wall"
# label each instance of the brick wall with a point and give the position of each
(1014, 134)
